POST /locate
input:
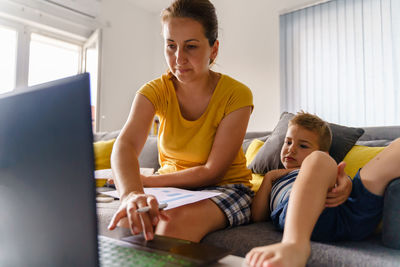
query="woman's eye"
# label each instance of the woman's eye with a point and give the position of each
(191, 46)
(171, 46)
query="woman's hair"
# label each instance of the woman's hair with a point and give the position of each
(315, 124)
(203, 11)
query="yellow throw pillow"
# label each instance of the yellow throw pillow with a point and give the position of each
(252, 150)
(251, 153)
(358, 156)
(256, 180)
(102, 154)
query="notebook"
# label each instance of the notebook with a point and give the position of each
(47, 187)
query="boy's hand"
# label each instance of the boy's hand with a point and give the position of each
(341, 191)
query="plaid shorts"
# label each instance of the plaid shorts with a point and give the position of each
(235, 202)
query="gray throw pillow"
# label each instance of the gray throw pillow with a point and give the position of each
(148, 158)
(343, 139)
(268, 158)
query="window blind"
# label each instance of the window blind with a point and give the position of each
(341, 60)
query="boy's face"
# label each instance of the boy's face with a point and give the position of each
(299, 143)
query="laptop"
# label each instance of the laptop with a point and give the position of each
(47, 188)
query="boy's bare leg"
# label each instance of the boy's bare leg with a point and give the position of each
(382, 169)
(307, 200)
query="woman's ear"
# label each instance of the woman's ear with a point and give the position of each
(214, 51)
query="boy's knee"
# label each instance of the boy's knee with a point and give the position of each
(319, 156)
(396, 142)
(320, 159)
(320, 164)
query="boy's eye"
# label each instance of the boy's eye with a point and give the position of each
(288, 142)
(303, 146)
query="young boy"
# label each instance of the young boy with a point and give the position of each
(309, 174)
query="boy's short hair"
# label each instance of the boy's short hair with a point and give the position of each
(315, 124)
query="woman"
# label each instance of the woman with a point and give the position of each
(203, 119)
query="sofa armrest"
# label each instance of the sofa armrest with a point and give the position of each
(391, 215)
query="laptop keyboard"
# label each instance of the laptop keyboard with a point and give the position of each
(112, 252)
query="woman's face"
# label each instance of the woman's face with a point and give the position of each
(187, 50)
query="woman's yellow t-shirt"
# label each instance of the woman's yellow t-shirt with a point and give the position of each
(183, 143)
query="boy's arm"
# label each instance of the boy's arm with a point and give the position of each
(260, 205)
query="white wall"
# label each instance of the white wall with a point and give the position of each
(249, 52)
(127, 59)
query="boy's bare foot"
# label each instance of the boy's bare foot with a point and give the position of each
(279, 255)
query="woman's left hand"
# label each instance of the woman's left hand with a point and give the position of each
(341, 191)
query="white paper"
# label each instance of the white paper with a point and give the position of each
(107, 173)
(174, 197)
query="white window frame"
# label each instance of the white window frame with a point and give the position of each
(94, 39)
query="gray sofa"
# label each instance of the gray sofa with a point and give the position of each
(377, 250)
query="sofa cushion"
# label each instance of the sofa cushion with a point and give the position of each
(102, 153)
(358, 156)
(391, 216)
(268, 158)
(368, 252)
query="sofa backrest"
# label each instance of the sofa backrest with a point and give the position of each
(380, 133)
(373, 136)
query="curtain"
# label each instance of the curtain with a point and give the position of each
(341, 60)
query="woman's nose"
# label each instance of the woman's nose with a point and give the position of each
(180, 56)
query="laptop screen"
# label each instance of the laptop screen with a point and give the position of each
(47, 189)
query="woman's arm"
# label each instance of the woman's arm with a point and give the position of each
(126, 171)
(227, 142)
(260, 205)
(129, 144)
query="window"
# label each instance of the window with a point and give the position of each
(8, 55)
(51, 59)
(341, 61)
(32, 55)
